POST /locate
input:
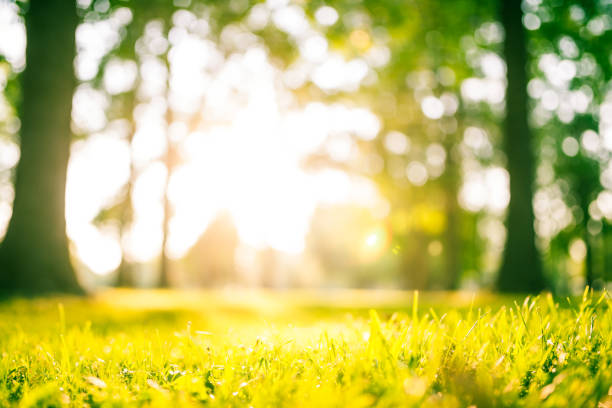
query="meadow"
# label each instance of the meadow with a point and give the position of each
(306, 349)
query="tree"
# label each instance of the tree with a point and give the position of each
(521, 268)
(125, 276)
(211, 260)
(34, 256)
(421, 38)
(579, 163)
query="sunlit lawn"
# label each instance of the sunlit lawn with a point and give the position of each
(309, 349)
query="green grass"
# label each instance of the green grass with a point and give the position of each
(306, 349)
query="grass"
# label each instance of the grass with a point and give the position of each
(306, 349)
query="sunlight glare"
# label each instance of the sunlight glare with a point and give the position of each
(246, 157)
(375, 243)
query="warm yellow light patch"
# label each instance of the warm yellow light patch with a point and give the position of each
(372, 240)
(375, 243)
(360, 39)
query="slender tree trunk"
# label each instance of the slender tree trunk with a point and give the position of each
(452, 241)
(589, 241)
(34, 255)
(414, 263)
(452, 234)
(521, 269)
(451, 177)
(590, 274)
(125, 276)
(164, 264)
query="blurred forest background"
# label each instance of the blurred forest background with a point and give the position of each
(422, 144)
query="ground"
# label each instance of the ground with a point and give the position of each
(306, 349)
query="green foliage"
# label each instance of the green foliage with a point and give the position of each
(301, 349)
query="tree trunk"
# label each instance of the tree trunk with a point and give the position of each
(521, 269)
(452, 242)
(164, 263)
(589, 259)
(453, 264)
(415, 270)
(125, 278)
(34, 255)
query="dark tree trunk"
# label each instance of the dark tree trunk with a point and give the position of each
(34, 255)
(125, 278)
(584, 191)
(521, 269)
(124, 275)
(452, 242)
(414, 263)
(164, 263)
(453, 264)
(589, 261)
